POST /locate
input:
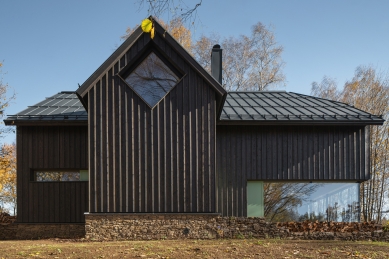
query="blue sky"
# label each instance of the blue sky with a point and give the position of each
(50, 46)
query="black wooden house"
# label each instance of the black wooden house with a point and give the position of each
(180, 145)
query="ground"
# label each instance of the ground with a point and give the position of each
(237, 248)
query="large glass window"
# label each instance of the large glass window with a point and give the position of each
(152, 79)
(60, 175)
(311, 201)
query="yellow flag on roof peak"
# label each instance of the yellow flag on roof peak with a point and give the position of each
(147, 25)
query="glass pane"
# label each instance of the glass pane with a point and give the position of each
(254, 199)
(312, 201)
(56, 176)
(152, 79)
(84, 175)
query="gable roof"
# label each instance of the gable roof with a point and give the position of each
(61, 108)
(280, 107)
(126, 45)
(240, 108)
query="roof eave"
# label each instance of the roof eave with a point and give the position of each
(302, 122)
(14, 122)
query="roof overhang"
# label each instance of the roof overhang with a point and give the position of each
(302, 122)
(11, 122)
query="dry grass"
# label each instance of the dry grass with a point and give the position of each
(238, 248)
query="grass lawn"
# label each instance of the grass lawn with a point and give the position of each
(237, 248)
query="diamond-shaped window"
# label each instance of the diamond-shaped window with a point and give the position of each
(152, 79)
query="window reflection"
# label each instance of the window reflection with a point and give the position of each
(56, 176)
(152, 79)
(312, 201)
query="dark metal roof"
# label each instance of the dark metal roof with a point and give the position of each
(64, 106)
(267, 107)
(280, 107)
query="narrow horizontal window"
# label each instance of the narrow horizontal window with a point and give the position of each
(310, 201)
(60, 176)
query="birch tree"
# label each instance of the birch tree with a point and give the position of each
(368, 91)
(250, 62)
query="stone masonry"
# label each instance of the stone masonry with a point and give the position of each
(116, 226)
(211, 226)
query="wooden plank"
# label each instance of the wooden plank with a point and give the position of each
(193, 141)
(175, 155)
(128, 138)
(110, 136)
(212, 143)
(116, 141)
(154, 161)
(186, 143)
(73, 201)
(104, 143)
(137, 150)
(148, 160)
(143, 155)
(92, 169)
(358, 157)
(207, 139)
(77, 202)
(84, 197)
(331, 152)
(98, 172)
(161, 165)
(366, 152)
(352, 153)
(180, 148)
(325, 154)
(168, 154)
(334, 155)
(124, 173)
(57, 196)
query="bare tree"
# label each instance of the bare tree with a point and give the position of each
(249, 62)
(186, 11)
(5, 99)
(368, 91)
(281, 200)
(327, 89)
(176, 28)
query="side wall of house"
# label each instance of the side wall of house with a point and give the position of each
(277, 153)
(152, 160)
(45, 148)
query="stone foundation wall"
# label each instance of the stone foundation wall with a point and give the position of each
(41, 231)
(211, 226)
(190, 226)
(175, 226)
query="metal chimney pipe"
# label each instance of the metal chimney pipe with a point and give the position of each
(216, 63)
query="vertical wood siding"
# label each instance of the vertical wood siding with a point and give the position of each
(277, 153)
(152, 160)
(51, 147)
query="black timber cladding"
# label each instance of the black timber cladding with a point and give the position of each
(279, 107)
(220, 92)
(51, 148)
(61, 108)
(286, 153)
(152, 160)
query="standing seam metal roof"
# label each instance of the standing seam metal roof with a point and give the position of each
(283, 107)
(62, 106)
(239, 108)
